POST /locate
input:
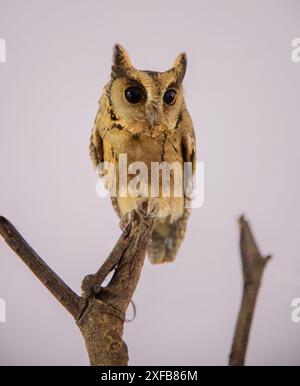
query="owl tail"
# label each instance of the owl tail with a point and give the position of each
(166, 239)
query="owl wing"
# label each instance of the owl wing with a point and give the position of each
(97, 155)
(96, 148)
(167, 237)
(188, 139)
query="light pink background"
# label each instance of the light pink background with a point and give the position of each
(243, 93)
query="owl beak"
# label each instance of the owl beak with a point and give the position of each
(152, 117)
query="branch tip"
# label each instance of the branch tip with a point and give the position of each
(253, 264)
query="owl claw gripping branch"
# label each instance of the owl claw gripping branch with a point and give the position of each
(142, 114)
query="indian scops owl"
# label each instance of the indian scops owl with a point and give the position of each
(143, 114)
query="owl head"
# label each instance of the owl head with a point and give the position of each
(146, 98)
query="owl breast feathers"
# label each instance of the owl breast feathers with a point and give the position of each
(142, 116)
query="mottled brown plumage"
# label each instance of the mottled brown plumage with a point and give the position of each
(148, 131)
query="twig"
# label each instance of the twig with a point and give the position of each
(253, 264)
(69, 299)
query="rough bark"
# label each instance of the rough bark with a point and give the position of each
(253, 265)
(100, 311)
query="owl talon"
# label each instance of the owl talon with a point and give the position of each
(150, 207)
(153, 207)
(125, 221)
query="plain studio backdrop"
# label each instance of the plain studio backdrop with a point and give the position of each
(242, 89)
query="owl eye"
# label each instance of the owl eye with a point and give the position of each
(170, 96)
(134, 94)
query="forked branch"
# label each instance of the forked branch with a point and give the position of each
(100, 311)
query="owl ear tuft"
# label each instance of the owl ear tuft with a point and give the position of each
(121, 57)
(179, 66)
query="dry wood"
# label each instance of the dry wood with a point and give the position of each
(253, 265)
(100, 311)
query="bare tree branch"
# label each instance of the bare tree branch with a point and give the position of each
(100, 311)
(69, 299)
(103, 322)
(253, 265)
(92, 283)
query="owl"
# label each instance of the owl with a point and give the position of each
(143, 115)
